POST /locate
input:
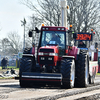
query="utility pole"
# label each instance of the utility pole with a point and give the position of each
(23, 24)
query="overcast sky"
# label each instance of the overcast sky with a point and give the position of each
(11, 12)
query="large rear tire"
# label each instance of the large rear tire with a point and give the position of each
(25, 66)
(82, 70)
(68, 72)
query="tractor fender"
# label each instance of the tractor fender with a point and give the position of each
(27, 55)
(84, 51)
(71, 57)
(74, 51)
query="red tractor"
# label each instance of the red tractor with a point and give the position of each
(58, 63)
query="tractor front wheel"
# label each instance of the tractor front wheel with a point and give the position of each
(68, 72)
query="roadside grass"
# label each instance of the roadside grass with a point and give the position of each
(98, 74)
(6, 77)
(13, 67)
(9, 67)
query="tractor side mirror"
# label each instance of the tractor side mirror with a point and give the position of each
(74, 35)
(37, 30)
(30, 33)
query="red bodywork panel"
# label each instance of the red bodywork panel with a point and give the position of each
(95, 56)
(55, 48)
(96, 67)
(54, 28)
(99, 68)
(41, 80)
(73, 51)
(93, 67)
(70, 52)
(33, 50)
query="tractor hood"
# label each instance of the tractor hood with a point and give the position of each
(48, 49)
(48, 55)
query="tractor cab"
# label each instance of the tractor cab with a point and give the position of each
(53, 36)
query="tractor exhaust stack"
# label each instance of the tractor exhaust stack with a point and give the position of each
(63, 13)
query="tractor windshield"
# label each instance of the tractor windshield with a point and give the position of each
(53, 37)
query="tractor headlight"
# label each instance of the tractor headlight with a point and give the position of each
(42, 58)
(40, 53)
(49, 58)
(53, 54)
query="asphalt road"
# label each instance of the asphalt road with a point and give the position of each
(10, 90)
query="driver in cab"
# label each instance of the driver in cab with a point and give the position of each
(81, 44)
(56, 38)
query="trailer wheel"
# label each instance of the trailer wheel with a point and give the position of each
(68, 72)
(82, 70)
(91, 79)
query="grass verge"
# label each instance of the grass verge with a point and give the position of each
(9, 67)
(6, 77)
(98, 74)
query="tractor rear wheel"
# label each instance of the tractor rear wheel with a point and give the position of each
(68, 72)
(82, 70)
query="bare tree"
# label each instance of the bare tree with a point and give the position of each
(34, 22)
(82, 14)
(49, 11)
(12, 44)
(15, 42)
(4, 46)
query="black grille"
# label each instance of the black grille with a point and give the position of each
(46, 60)
(46, 50)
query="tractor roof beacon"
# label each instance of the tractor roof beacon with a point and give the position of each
(58, 63)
